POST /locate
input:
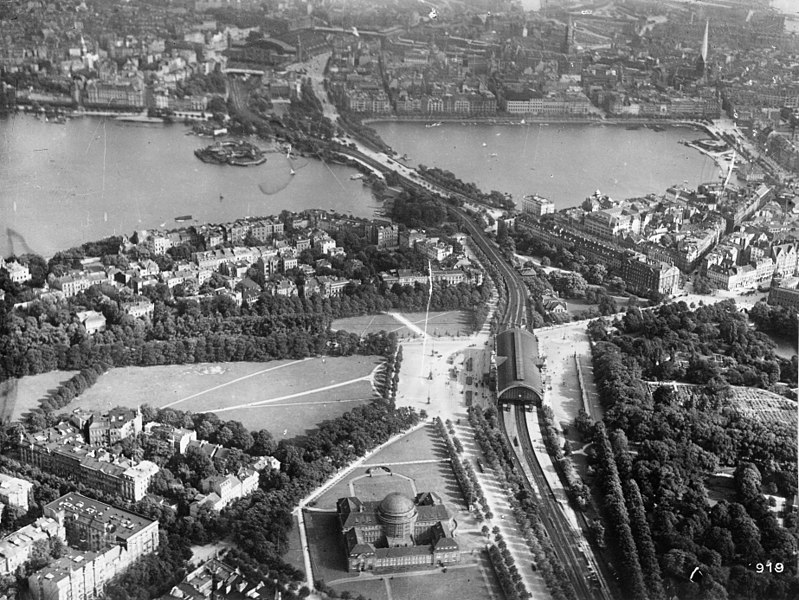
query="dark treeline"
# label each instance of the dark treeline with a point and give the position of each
(677, 440)
(47, 336)
(712, 345)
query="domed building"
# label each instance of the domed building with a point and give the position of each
(397, 514)
(396, 532)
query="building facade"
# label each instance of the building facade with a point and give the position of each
(104, 541)
(396, 532)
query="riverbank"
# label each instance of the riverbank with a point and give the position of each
(536, 120)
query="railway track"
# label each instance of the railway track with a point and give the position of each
(565, 541)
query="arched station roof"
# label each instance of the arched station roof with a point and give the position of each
(518, 375)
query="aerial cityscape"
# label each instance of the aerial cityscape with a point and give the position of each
(399, 299)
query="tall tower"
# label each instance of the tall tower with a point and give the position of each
(701, 62)
(568, 40)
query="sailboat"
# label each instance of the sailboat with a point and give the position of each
(288, 158)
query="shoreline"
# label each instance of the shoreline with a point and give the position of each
(526, 120)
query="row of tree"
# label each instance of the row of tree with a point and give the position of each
(577, 491)
(510, 580)
(465, 475)
(617, 518)
(525, 508)
(680, 438)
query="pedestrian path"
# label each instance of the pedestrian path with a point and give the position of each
(503, 516)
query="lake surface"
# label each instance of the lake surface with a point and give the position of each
(564, 162)
(61, 185)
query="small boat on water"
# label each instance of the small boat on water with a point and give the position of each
(356, 176)
(183, 218)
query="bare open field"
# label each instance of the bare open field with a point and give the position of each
(18, 396)
(455, 322)
(286, 397)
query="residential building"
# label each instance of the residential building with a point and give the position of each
(787, 297)
(15, 549)
(92, 320)
(18, 273)
(141, 309)
(537, 205)
(62, 450)
(385, 236)
(108, 428)
(92, 525)
(104, 542)
(324, 244)
(397, 532)
(14, 491)
(221, 490)
(158, 244)
(554, 306)
(786, 259)
(732, 277)
(410, 237)
(178, 437)
(216, 579)
(644, 276)
(607, 223)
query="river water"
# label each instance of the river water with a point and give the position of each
(565, 163)
(61, 185)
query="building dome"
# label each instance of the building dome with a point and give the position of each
(397, 505)
(397, 513)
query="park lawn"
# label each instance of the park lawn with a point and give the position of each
(373, 589)
(298, 416)
(439, 323)
(419, 445)
(293, 555)
(377, 486)
(463, 583)
(327, 548)
(18, 396)
(204, 385)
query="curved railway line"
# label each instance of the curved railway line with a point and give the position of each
(566, 543)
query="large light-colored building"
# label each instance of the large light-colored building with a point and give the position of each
(537, 205)
(14, 491)
(63, 451)
(221, 490)
(396, 533)
(104, 542)
(17, 272)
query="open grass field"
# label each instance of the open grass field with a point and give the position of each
(18, 396)
(422, 444)
(467, 582)
(455, 322)
(286, 397)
